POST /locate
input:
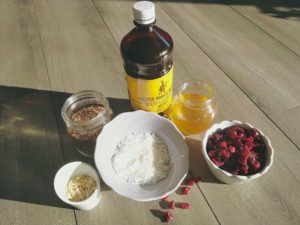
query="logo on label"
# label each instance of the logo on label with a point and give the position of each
(151, 95)
(162, 88)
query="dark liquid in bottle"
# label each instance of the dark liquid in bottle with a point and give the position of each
(147, 54)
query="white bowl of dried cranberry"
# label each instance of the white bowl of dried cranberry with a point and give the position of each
(236, 152)
(142, 156)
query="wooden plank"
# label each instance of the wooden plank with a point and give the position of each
(289, 122)
(21, 213)
(21, 56)
(264, 201)
(26, 174)
(30, 155)
(279, 18)
(263, 68)
(79, 50)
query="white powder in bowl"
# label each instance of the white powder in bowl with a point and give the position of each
(142, 158)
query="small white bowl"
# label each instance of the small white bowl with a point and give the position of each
(65, 173)
(141, 122)
(225, 176)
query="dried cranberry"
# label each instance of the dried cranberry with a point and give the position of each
(216, 137)
(209, 144)
(244, 156)
(225, 154)
(240, 131)
(231, 149)
(249, 145)
(184, 205)
(168, 216)
(256, 165)
(244, 169)
(172, 204)
(186, 190)
(217, 163)
(212, 153)
(251, 159)
(232, 133)
(223, 144)
(190, 182)
(255, 132)
(249, 139)
(235, 171)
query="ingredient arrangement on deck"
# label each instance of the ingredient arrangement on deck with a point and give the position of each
(148, 160)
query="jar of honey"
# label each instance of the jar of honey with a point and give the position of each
(194, 107)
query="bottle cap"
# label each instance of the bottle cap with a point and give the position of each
(144, 12)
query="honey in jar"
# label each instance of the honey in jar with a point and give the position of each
(194, 108)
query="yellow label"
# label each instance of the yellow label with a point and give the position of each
(151, 95)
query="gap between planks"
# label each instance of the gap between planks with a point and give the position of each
(42, 46)
(99, 13)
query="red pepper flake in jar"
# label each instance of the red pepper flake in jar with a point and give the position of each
(85, 113)
(82, 115)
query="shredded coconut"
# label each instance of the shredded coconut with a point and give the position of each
(142, 158)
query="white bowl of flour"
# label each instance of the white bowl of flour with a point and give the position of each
(142, 156)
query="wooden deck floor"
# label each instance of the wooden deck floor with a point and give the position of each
(250, 51)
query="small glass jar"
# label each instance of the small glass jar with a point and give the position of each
(82, 129)
(194, 108)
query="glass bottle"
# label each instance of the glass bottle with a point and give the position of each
(194, 108)
(147, 54)
(84, 132)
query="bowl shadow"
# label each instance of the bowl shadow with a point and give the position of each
(198, 166)
(34, 144)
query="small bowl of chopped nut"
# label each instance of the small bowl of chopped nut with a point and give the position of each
(142, 156)
(78, 185)
(236, 152)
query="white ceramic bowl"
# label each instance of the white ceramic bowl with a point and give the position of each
(225, 176)
(140, 122)
(65, 173)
